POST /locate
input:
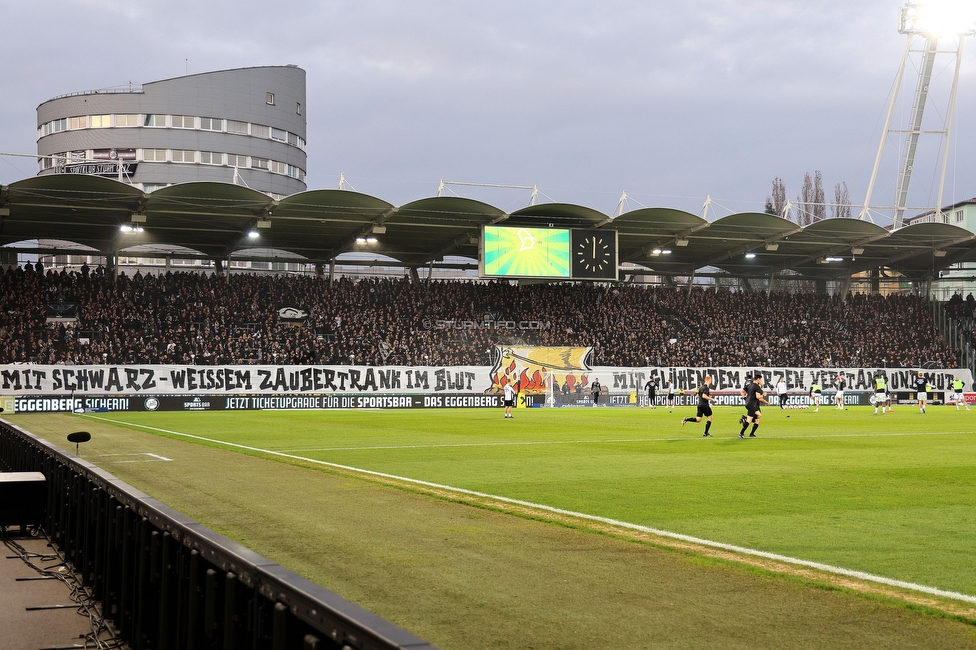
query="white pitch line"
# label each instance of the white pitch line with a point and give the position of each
(614, 441)
(137, 453)
(828, 568)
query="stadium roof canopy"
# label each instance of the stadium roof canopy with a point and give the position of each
(317, 226)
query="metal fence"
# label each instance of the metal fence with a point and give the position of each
(166, 581)
(956, 334)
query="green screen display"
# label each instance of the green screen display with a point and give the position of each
(526, 252)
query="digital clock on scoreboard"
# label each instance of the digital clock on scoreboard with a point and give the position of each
(548, 253)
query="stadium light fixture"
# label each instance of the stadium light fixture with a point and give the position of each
(750, 255)
(857, 250)
(772, 247)
(940, 253)
(378, 229)
(130, 227)
(253, 234)
(833, 259)
(681, 242)
(371, 240)
(360, 240)
(264, 223)
(938, 18)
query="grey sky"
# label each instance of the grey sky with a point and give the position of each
(669, 101)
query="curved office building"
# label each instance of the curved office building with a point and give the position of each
(244, 126)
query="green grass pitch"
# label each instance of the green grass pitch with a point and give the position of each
(892, 495)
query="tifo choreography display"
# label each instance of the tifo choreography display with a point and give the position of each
(87, 341)
(43, 388)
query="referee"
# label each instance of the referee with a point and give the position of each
(704, 393)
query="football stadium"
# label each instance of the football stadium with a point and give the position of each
(234, 458)
(240, 413)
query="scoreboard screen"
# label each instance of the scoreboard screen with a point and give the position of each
(525, 252)
(548, 253)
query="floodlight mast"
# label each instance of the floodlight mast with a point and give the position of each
(932, 21)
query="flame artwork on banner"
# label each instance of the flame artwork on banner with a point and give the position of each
(529, 365)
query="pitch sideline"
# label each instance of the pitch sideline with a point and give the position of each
(827, 568)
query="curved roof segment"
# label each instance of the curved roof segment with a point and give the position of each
(319, 225)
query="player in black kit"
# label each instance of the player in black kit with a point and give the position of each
(704, 407)
(651, 388)
(596, 388)
(921, 391)
(754, 397)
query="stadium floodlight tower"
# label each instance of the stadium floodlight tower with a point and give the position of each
(926, 23)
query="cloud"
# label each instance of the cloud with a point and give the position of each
(671, 101)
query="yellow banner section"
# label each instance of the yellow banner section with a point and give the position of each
(529, 367)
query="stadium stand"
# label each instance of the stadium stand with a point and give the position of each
(186, 318)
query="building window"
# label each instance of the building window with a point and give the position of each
(959, 216)
(211, 124)
(100, 121)
(154, 155)
(279, 134)
(236, 160)
(80, 122)
(292, 139)
(269, 99)
(154, 120)
(126, 120)
(260, 131)
(259, 163)
(184, 122)
(233, 126)
(298, 108)
(183, 156)
(211, 158)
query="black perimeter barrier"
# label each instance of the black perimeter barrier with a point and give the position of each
(166, 581)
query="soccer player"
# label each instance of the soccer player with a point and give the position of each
(670, 396)
(511, 394)
(880, 392)
(781, 389)
(921, 391)
(704, 407)
(651, 388)
(841, 383)
(754, 397)
(596, 388)
(957, 395)
(815, 392)
(745, 387)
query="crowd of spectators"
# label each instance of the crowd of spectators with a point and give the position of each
(963, 312)
(195, 318)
